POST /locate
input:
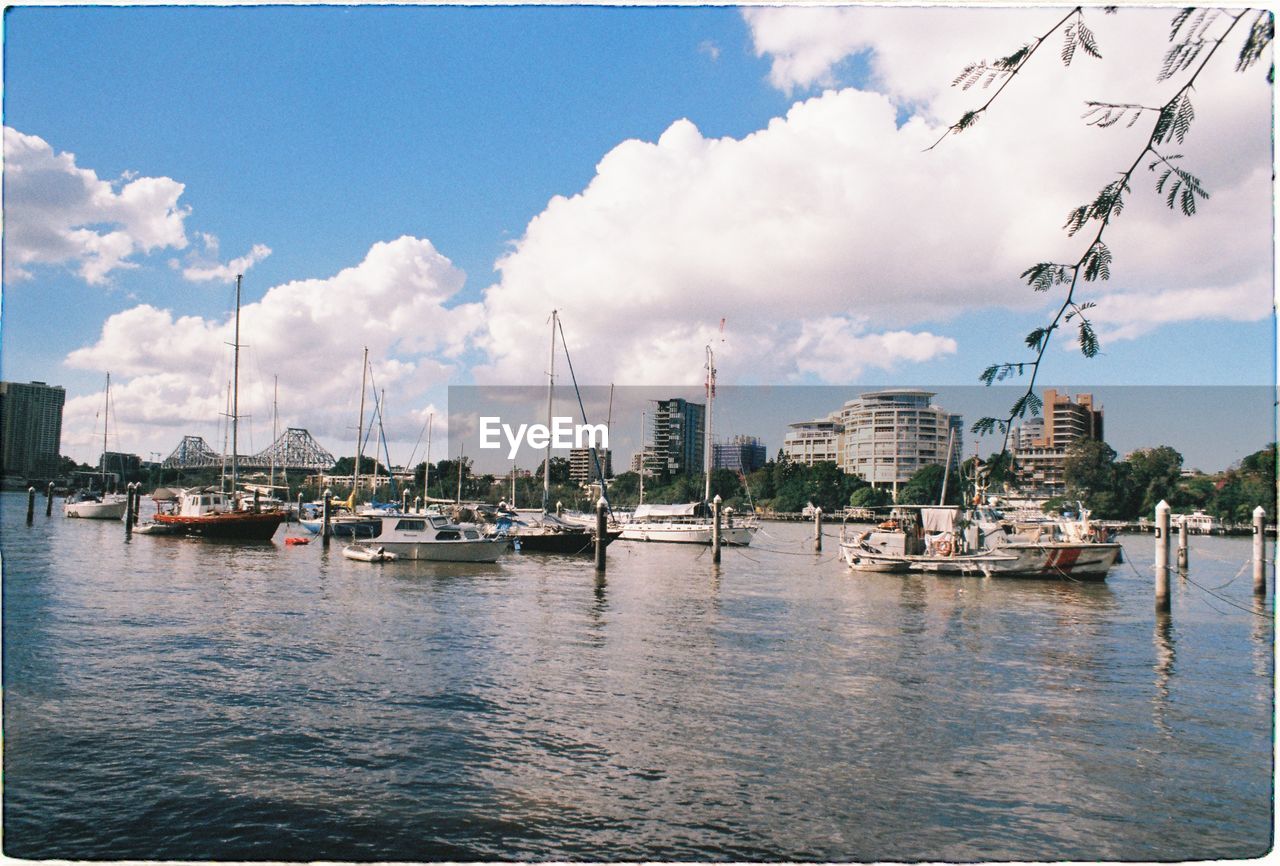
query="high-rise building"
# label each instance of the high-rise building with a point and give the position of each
(814, 441)
(582, 468)
(30, 428)
(891, 435)
(743, 454)
(1040, 445)
(678, 430)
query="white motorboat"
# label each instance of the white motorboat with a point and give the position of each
(435, 538)
(368, 553)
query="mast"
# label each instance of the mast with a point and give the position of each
(106, 408)
(222, 479)
(461, 448)
(426, 468)
(711, 394)
(382, 440)
(355, 478)
(235, 394)
(275, 428)
(642, 458)
(551, 384)
(946, 472)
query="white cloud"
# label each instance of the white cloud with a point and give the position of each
(56, 213)
(205, 267)
(833, 226)
(173, 371)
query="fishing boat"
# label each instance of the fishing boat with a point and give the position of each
(207, 513)
(368, 553)
(436, 538)
(692, 522)
(93, 504)
(945, 540)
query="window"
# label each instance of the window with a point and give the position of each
(447, 535)
(411, 525)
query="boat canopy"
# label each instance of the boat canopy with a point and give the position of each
(942, 519)
(688, 509)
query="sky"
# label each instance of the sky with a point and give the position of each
(430, 182)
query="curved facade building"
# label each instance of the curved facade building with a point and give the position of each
(890, 435)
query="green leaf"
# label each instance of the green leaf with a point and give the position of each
(1097, 263)
(1088, 339)
(1036, 338)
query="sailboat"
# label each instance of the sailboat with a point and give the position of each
(692, 522)
(545, 532)
(209, 513)
(98, 506)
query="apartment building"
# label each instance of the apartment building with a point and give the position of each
(30, 429)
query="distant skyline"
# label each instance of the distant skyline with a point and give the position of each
(430, 182)
(1211, 426)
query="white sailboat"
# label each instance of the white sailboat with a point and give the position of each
(688, 523)
(98, 506)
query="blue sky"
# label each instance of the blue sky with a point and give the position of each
(431, 182)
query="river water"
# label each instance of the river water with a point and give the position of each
(168, 698)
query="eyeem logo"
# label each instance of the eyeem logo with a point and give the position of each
(562, 434)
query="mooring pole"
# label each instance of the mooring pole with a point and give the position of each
(404, 501)
(128, 510)
(299, 508)
(817, 530)
(417, 504)
(137, 502)
(256, 500)
(31, 504)
(1162, 556)
(324, 518)
(602, 533)
(1259, 551)
(1182, 543)
(715, 529)
(48, 500)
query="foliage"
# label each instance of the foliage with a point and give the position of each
(870, 497)
(1196, 35)
(925, 487)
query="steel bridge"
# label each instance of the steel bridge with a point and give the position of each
(294, 450)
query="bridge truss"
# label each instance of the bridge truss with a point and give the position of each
(294, 450)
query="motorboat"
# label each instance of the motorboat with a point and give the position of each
(209, 513)
(434, 537)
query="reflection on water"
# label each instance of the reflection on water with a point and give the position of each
(169, 698)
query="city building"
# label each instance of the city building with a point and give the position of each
(890, 435)
(1040, 444)
(124, 467)
(582, 468)
(30, 429)
(676, 440)
(814, 441)
(743, 454)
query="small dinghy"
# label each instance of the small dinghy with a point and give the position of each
(154, 529)
(365, 553)
(297, 539)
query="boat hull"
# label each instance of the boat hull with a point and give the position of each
(566, 543)
(109, 510)
(1067, 561)
(686, 533)
(237, 525)
(463, 550)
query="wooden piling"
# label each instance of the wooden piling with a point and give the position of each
(1182, 544)
(128, 510)
(602, 533)
(404, 501)
(817, 530)
(137, 502)
(1162, 556)
(48, 500)
(1259, 551)
(257, 500)
(31, 504)
(417, 504)
(299, 508)
(715, 529)
(324, 519)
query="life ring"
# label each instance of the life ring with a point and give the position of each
(943, 547)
